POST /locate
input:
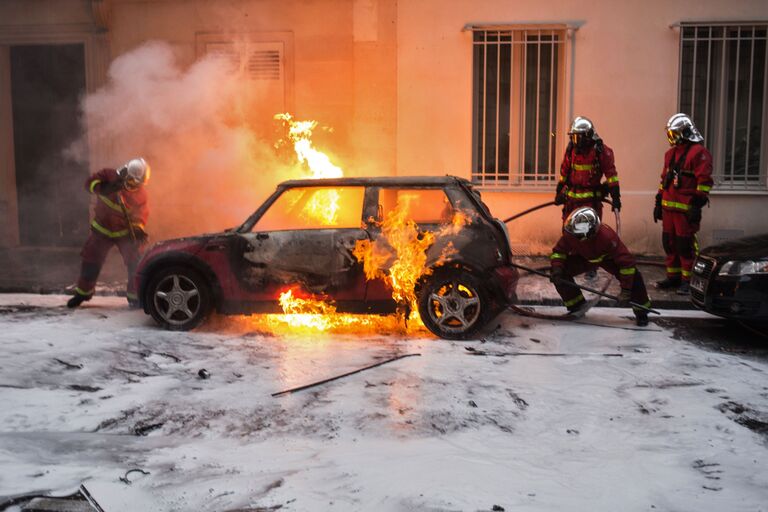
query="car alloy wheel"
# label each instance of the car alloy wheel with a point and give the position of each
(178, 298)
(454, 305)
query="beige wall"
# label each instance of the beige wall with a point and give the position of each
(394, 80)
(625, 80)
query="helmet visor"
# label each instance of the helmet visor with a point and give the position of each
(673, 137)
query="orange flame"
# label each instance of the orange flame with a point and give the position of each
(399, 256)
(324, 204)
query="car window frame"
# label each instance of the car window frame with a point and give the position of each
(250, 223)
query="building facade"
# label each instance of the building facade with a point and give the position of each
(484, 89)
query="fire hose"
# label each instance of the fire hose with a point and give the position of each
(601, 293)
(585, 288)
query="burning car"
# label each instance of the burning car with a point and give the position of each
(366, 245)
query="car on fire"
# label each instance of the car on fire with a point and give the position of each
(731, 279)
(467, 280)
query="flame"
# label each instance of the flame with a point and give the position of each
(324, 204)
(312, 315)
(399, 255)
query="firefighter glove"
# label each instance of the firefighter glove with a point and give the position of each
(615, 198)
(699, 201)
(694, 214)
(657, 209)
(141, 236)
(110, 187)
(560, 194)
(556, 274)
(625, 296)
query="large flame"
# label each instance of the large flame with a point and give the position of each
(323, 207)
(312, 315)
(398, 256)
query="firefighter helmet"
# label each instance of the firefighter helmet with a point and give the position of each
(582, 223)
(582, 130)
(135, 173)
(680, 127)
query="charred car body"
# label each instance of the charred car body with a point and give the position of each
(731, 279)
(244, 270)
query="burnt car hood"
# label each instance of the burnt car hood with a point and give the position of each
(189, 243)
(749, 248)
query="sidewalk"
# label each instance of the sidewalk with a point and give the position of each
(49, 271)
(52, 270)
(537, 290)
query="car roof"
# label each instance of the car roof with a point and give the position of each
(380, 181)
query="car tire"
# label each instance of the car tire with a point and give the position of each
(454, 304)
(178, 298)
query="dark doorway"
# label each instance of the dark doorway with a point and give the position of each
(47, 82)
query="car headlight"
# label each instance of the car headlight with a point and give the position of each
(743, 268)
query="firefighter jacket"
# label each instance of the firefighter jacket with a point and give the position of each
(687, 174)
(114, 209)
(582, 172)
(603, 247)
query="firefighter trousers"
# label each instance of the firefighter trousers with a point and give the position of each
(575, 265)
(680, 245)
(94, 254)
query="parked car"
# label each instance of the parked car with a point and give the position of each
(731, 279)
(245, 269)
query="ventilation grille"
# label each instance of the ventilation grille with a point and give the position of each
(264, 65)
(258, 61)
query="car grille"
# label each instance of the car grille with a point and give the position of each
(702, 269)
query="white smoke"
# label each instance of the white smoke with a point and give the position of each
(210, 151)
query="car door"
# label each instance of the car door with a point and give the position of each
(305, 239)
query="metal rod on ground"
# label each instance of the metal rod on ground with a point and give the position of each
(586, 288)
(542, 354)
(306, 386)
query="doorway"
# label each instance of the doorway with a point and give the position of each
(47, 82)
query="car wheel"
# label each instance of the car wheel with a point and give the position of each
(454, 304)
(179, 298)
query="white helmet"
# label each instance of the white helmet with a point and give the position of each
(680, 127)
(135, 173)
(582, 222)
(582, 130)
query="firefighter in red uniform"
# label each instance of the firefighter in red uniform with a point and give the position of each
(587, 244)
(684, 189)
(120, 216)
(585, 162)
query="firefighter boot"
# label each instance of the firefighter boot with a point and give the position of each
(641, 318)
(668, 284)
(578, 310)
(684, 289)
(77, 300)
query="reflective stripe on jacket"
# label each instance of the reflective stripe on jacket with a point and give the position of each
(694, 178)
(109, 217)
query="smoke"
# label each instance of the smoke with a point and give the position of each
(207, 133)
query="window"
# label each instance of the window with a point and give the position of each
(518, 89)
(423, 206)
(314, 208)
(723, 88)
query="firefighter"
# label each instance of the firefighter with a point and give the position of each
(119, 218)
(585, 245)
(587, 159)
(684, 190)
